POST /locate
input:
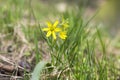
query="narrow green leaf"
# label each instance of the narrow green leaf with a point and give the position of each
(38, 70)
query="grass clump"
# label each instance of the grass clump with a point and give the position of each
(75, 57)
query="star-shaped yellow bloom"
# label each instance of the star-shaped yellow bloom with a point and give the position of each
(52, 29)
(63, 35)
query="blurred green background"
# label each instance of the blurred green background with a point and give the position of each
(107, 10)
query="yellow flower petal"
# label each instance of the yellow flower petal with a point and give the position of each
(48, 33)
(49, 24)
(45, 29)
(54, 35)
(57, 29)
(63, 35)
(56, 23)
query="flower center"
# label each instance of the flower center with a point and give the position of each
(51, 29)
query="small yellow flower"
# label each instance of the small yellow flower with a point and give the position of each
(65, 23)
(63, 35)
(52, 29)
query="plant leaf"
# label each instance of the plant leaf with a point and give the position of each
(38, 70)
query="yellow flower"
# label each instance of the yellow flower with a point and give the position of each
(52, 29)
(65, 23)
(63, 35)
